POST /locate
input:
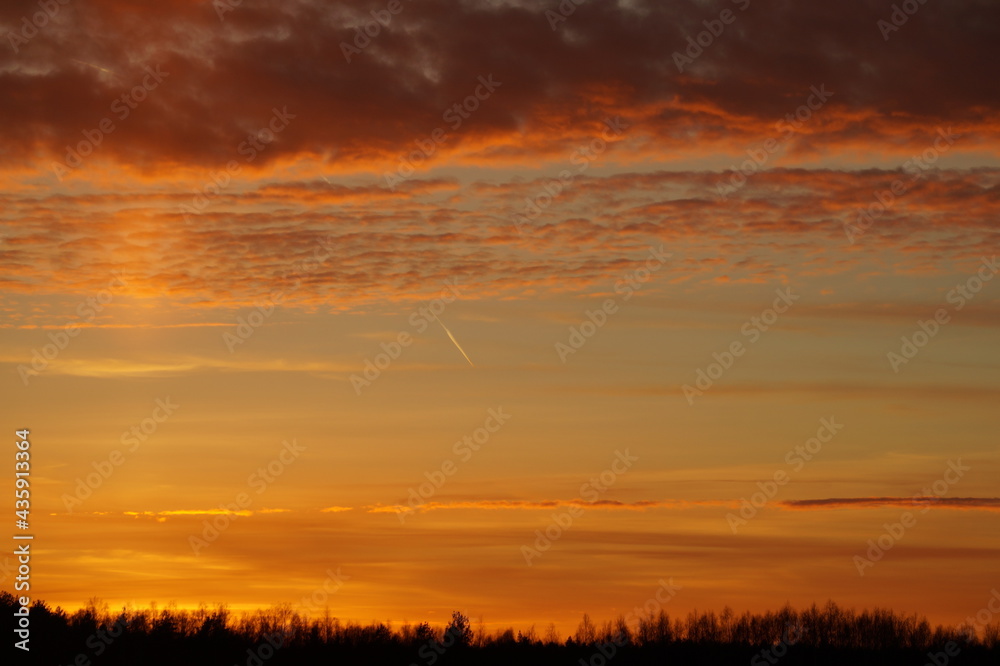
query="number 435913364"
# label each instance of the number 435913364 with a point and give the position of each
(22, 469)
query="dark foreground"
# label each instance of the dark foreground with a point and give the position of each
(278, 636)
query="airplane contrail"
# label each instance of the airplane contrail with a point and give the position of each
(90, 64)
(455, 341)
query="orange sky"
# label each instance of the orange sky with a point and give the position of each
(494, 276)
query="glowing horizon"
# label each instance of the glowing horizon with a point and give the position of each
(730, 303)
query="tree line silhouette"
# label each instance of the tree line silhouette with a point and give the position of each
(280, 636)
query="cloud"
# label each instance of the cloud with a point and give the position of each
(162, 516)
(965, 393)
(181, 365)
(399, 249)
(224, 77)
(538, 505)
(965, 503)
(959, 503)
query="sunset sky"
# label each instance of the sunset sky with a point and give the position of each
(258, 259)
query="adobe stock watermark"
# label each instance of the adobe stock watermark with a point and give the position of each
(7, 569)
(901, 13)
(463, 449)
(319, 597)
(455, 116)
(565, 9)
(595, 320)
(122, 108)
(133, 438)
(223, 7)
(666, 591)
(704, 39)
(894, 532)
(796, 458)
(30, 27)
(752, 329)
(419, 321)
(252, 146)
(317, 600)
(246, 326)
(793, 634)
(885, 199)
(100, 640)
(590, 492)
(606, 651)
(267, 647)
(87, 311)
(364, 34)
(259, 481)
(958, 296)
(758, 157)
(457, 633)
(982, 618)
(581, 159)
(970, 632)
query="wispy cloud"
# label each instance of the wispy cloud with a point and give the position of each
(964, 503)
(536, 505)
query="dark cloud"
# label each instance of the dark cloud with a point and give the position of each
(969, 503)
(224, 77)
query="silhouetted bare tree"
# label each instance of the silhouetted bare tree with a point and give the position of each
(280, 636)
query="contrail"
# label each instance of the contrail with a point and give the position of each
(90, 64)
(455, 341)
